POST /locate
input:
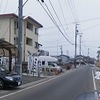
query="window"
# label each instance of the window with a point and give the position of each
(29, 41)
(43, 62)
(15, 26)
(36, 31)
(29, 26)
(36, 45)
(15, 40)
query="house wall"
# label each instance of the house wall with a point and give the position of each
(34, 37)
(4, 28)
(9, 31)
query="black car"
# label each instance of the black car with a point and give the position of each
(8, 79)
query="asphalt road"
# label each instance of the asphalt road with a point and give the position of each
(64, 87)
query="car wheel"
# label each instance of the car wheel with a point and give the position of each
(1, 84)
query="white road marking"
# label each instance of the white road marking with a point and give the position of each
(94, 83)
(10, 94)
(95, 88)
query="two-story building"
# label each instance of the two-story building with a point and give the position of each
(9, 33)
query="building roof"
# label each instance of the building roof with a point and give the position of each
(47, 58)
(62, 56)
(34, 21)
(8, 15)
(26, 18)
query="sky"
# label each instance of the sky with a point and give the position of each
(86, 13)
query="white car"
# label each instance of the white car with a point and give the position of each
(54, 65)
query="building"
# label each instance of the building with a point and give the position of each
(63, 59)
(9, 33)
(43, 53)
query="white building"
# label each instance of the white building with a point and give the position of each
(9, 32)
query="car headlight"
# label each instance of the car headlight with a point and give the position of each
(9, 78)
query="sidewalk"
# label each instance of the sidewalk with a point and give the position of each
(28, 79)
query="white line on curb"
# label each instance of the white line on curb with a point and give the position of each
(10, 94)
(95, 88)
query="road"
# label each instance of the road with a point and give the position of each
(64, 87)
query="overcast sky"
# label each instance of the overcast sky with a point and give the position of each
(85, 12)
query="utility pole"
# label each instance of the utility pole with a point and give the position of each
(80, 43)
(88, 52)
(61, 51)
(20, 21)
(76, 33)
(61, 54)
(80, 49)
(57, 47)
(67, 53)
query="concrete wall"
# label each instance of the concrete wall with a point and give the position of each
(7, 31)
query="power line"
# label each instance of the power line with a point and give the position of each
(54, 46)
(55, 27)
(5, 6)
(25, 2)
(72, 10)
(90, 27)
(10, 18)
(62, 12)
(52, 18)
(96, 18)
(67, 8)
(58, 17)
(0, 5)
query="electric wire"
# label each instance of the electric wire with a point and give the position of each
(59, 20)
(74, 8)
(72, 11)
(90, 27)
(11, 18)
(5, 6)
(55, 27)
(57, 16)
(67, 8)
(52, 18)
(0, 5)
(96, 18)
(25, 2)
(62, 13)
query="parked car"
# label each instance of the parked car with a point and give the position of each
(9, 78)
(54, 65)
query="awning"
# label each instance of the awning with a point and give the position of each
(7, 49)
